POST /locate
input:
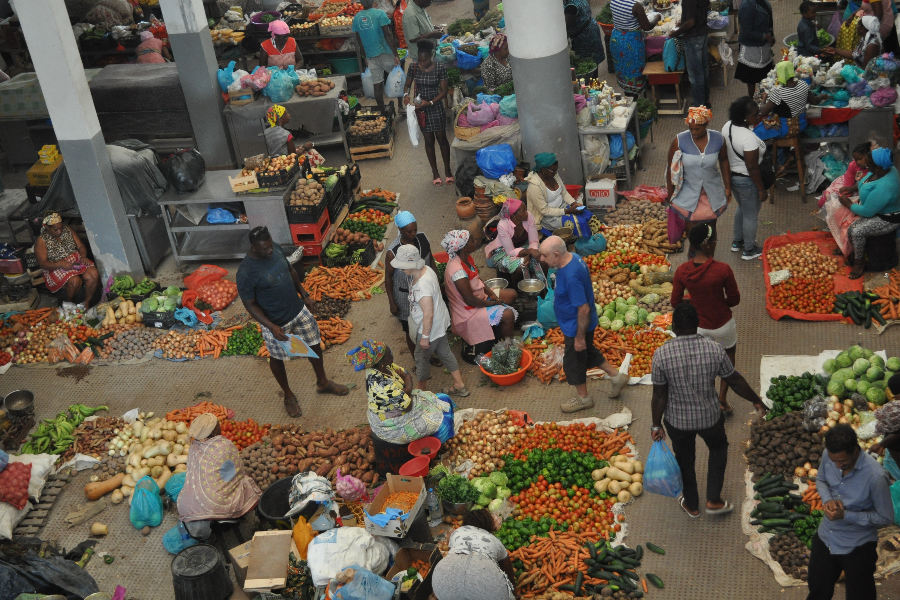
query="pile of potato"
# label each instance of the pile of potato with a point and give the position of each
(315, 87)
(368, 127)
(345, 236)
(663, 305)
(781, 445)
(307, 192)
(791, 554)
(132, 343)
(176, 345)
(271, 165)
(634, 212)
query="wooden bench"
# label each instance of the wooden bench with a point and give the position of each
(656, 74)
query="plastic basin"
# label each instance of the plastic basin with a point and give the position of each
(344, 65)
(512, 377)
(417, 467)
(442, 257)
(427, 447)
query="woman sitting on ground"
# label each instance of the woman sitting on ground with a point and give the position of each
(878, 208)
(869, 44)
(496, 70)
(838, 216)
(151, 50)
(63, 258)
(474, 308)
(516, 247)
(477, 565)
(548, 199)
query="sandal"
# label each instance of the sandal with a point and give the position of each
(436, 182)
(293, 407)
(685, 508)
(727, 508)
(333, 388)
(448, 180)
(451, 391)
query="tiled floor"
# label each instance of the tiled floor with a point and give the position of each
(705, 559)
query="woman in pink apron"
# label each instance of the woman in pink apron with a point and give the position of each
(62, 256)
(281, 50)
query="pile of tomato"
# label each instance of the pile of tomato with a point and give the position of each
(613, 260)
(544, 436)
(244, 433)
(80, 333)
(370, 215)
(570, 509)
(352, 9)
(646, 343)
(804, 295)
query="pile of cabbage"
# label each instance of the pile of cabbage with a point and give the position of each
(493, 491)
(859, 370)
(164, 301)
(622, 313)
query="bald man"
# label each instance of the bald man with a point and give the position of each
(573, 303)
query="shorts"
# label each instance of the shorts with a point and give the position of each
(440, 348)
(725, 335)
(303, 326)
(379, 65)
(577, 364)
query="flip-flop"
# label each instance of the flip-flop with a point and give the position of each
(293, 408)
(334, 389)
(684, 508)
(448, 180)
(721, 511)
(437, 182)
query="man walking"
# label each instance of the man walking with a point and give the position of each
(856, 499)
(374, 29)
(573, 303)
(694, 32)
(684, 375)
(417, 26)
(271, 292)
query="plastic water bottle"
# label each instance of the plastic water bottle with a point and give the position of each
(435, 513)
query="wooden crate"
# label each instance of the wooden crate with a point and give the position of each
(233, 97)
(243, 184)
(378, 151)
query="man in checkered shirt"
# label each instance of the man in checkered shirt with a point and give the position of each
(684, 390)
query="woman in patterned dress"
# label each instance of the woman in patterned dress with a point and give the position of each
(627, 44)
(63, 257)
(432, 86)
(496, 70)
(583, 30)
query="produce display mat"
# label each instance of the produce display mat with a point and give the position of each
(825, 241)
(888, 560)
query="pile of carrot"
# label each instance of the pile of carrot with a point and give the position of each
(421, 567)
(334, 331)
(553, 561)
(212, 343)
(554, 336)
(187, 415)
(374, 195)
(32, 317)
(348, 283)
(611, 345)
(889, 301)
(811, 497)
(403, 501)
(546, 366)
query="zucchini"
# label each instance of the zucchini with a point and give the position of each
(756, 522)
(877, 316)
(769, 499)
(764, 529)
(769, 506)
(776, 492)
(791, 486)
(568, 587)
(776, 522)
(639, 552)
(630, 561)
(766, 478)
(579, 579)
(656, 581)
(94, 341)
(655, 548)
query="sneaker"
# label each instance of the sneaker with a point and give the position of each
(575, 404)
(737, 246)
(751, 254)
(618, 384)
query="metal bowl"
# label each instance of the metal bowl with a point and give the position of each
(496, 284)
(531, 287)
(19, 403)
(458, 508)
(565, 233)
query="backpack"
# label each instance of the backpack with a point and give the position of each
(673, 55)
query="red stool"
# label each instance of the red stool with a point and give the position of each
(656, 74)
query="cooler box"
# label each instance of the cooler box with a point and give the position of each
(600, 191)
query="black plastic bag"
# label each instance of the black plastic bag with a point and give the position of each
(185, 170)
(53, 575)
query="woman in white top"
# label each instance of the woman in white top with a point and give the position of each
(477, 565)
(745, 153)
(547, 198)
(429, 319)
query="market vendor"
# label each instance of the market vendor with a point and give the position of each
(549, 201)
(784, 112)
(280, 141)
(878, 208)
(496, 68)
(887, 424)
(396, 282)
(216, 487)
(398, 414)
(62, 257)
(474, 308)
(152, 50)
(583, 30)
(516, 247)
(281, 50)
(477, 565)
(838, 216)
(626, 45)
(869, 44)
(885, 12)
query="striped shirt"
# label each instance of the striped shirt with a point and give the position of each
(689, 365)
(623, 18)
(795, 97)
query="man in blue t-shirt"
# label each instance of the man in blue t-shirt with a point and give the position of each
(374, 29)
(573, 303)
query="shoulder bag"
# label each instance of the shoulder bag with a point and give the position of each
(766, 170)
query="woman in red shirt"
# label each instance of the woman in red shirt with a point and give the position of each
(712, 290)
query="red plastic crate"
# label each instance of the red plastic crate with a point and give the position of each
(311, 233)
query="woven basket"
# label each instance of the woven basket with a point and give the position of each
(464, 133)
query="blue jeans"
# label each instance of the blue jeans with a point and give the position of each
(696, 56)
(746, 219)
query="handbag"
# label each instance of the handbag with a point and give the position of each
(420, 117)
(766, 170)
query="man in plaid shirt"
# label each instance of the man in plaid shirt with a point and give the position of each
(684, 389)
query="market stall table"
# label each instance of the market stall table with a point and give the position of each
(247, 123)
(630, 119)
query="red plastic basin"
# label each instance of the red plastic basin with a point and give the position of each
(417, 467)
(441, 257)
(419, 447)
(512, 377)
(574, 190)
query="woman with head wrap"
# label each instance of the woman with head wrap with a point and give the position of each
(281, 50)
(869, 45)
(496, 70)
(474, 309)
(878, 208)
(838, 216)
(280, 141)
(698, 176)
(784, 112)
(626, 45)
(515, 249)
(151, 50)
(885, 12)
(547, 198)
(397, 283)
(398, 414)
(63, 258)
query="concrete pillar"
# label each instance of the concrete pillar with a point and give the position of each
(45, 24)
(539, 55)
(195, 58)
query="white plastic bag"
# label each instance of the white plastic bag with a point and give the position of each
(412, 125)
(395, 82)
(367, 83)
(332, 551)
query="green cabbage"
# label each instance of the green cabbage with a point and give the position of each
(880, 384)
(149, 305)
(876, 396)
(850, 385)
(843, 360)
(875, 373)
(495, 505)
(835, 388)
(632, 300)
(642, 314)
(621, 305)
(876, 361)
(617, 325)
(603, 322)
(503, 493)
(172, 291)
(893, 364)
(863, 386)
(860, 366)
(484, 485)
(170, 304)
(610, 314)
(867, 354)
(650, 298)
(855, 351)
(483, 500)
(498, 478)
(842, 374)
(830, 366)
(652, 316)
(631, 317)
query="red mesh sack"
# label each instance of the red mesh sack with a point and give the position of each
(204, 275)
(218, 294)
(187, 300)
(14, 484)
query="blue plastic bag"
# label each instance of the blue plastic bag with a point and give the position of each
(368, 85)
(590, 246)
(615, 144)
(295, 77)
(177, 539)
(187, 316)
(489, 98)
(496, 161)
(146, 505)
(661, 473)
(366, 585)
(219, 215)
(467, 62)
(280, 88)
(508, 107)
(395, 82)
(546, 315)
(4, 460)
(445, 58)
(445, 432)
(174, 485)
(226, 77)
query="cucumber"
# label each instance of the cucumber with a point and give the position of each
(756, 522)
(568, 587)
(867, 321)
(655, 548)
(630, 561)
(106, 335)
(603, 575)
(776, 522)
(632, 575)
(592, 550)
(579, 579)
(638, 593)
(764, 479)
(623, 551)
(656, 581)
(769, 499)
(94, 341)
(769, 506)
(773, 515)
(877, 316)
(777, 492)
(792, 486)
(639, 552)
(602, 554)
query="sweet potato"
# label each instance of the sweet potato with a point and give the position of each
(323, 470)
(304, 464)
(367, 477)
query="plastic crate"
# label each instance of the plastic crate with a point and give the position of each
(365, 258)
(278, 178)
(300, 32)
(375, 139)
(305, 214)
(160, 320)
(335, 200)
(311, 233)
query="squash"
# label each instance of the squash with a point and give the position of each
(99, 529)
(624, 496)
(162, 479)
(638, 466)
(618, 474)
(615, 487)
(625, 466)
(98, 489)
(173, 460)
(602, 485)
(598, 474)
(637, 478)
(636, 489)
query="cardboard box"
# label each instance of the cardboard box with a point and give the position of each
(239, 556)
(396, 528)
(268, 561)
(41, 174)
(403, 560)
(600, 191)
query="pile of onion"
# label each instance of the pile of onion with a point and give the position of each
(484, 440)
